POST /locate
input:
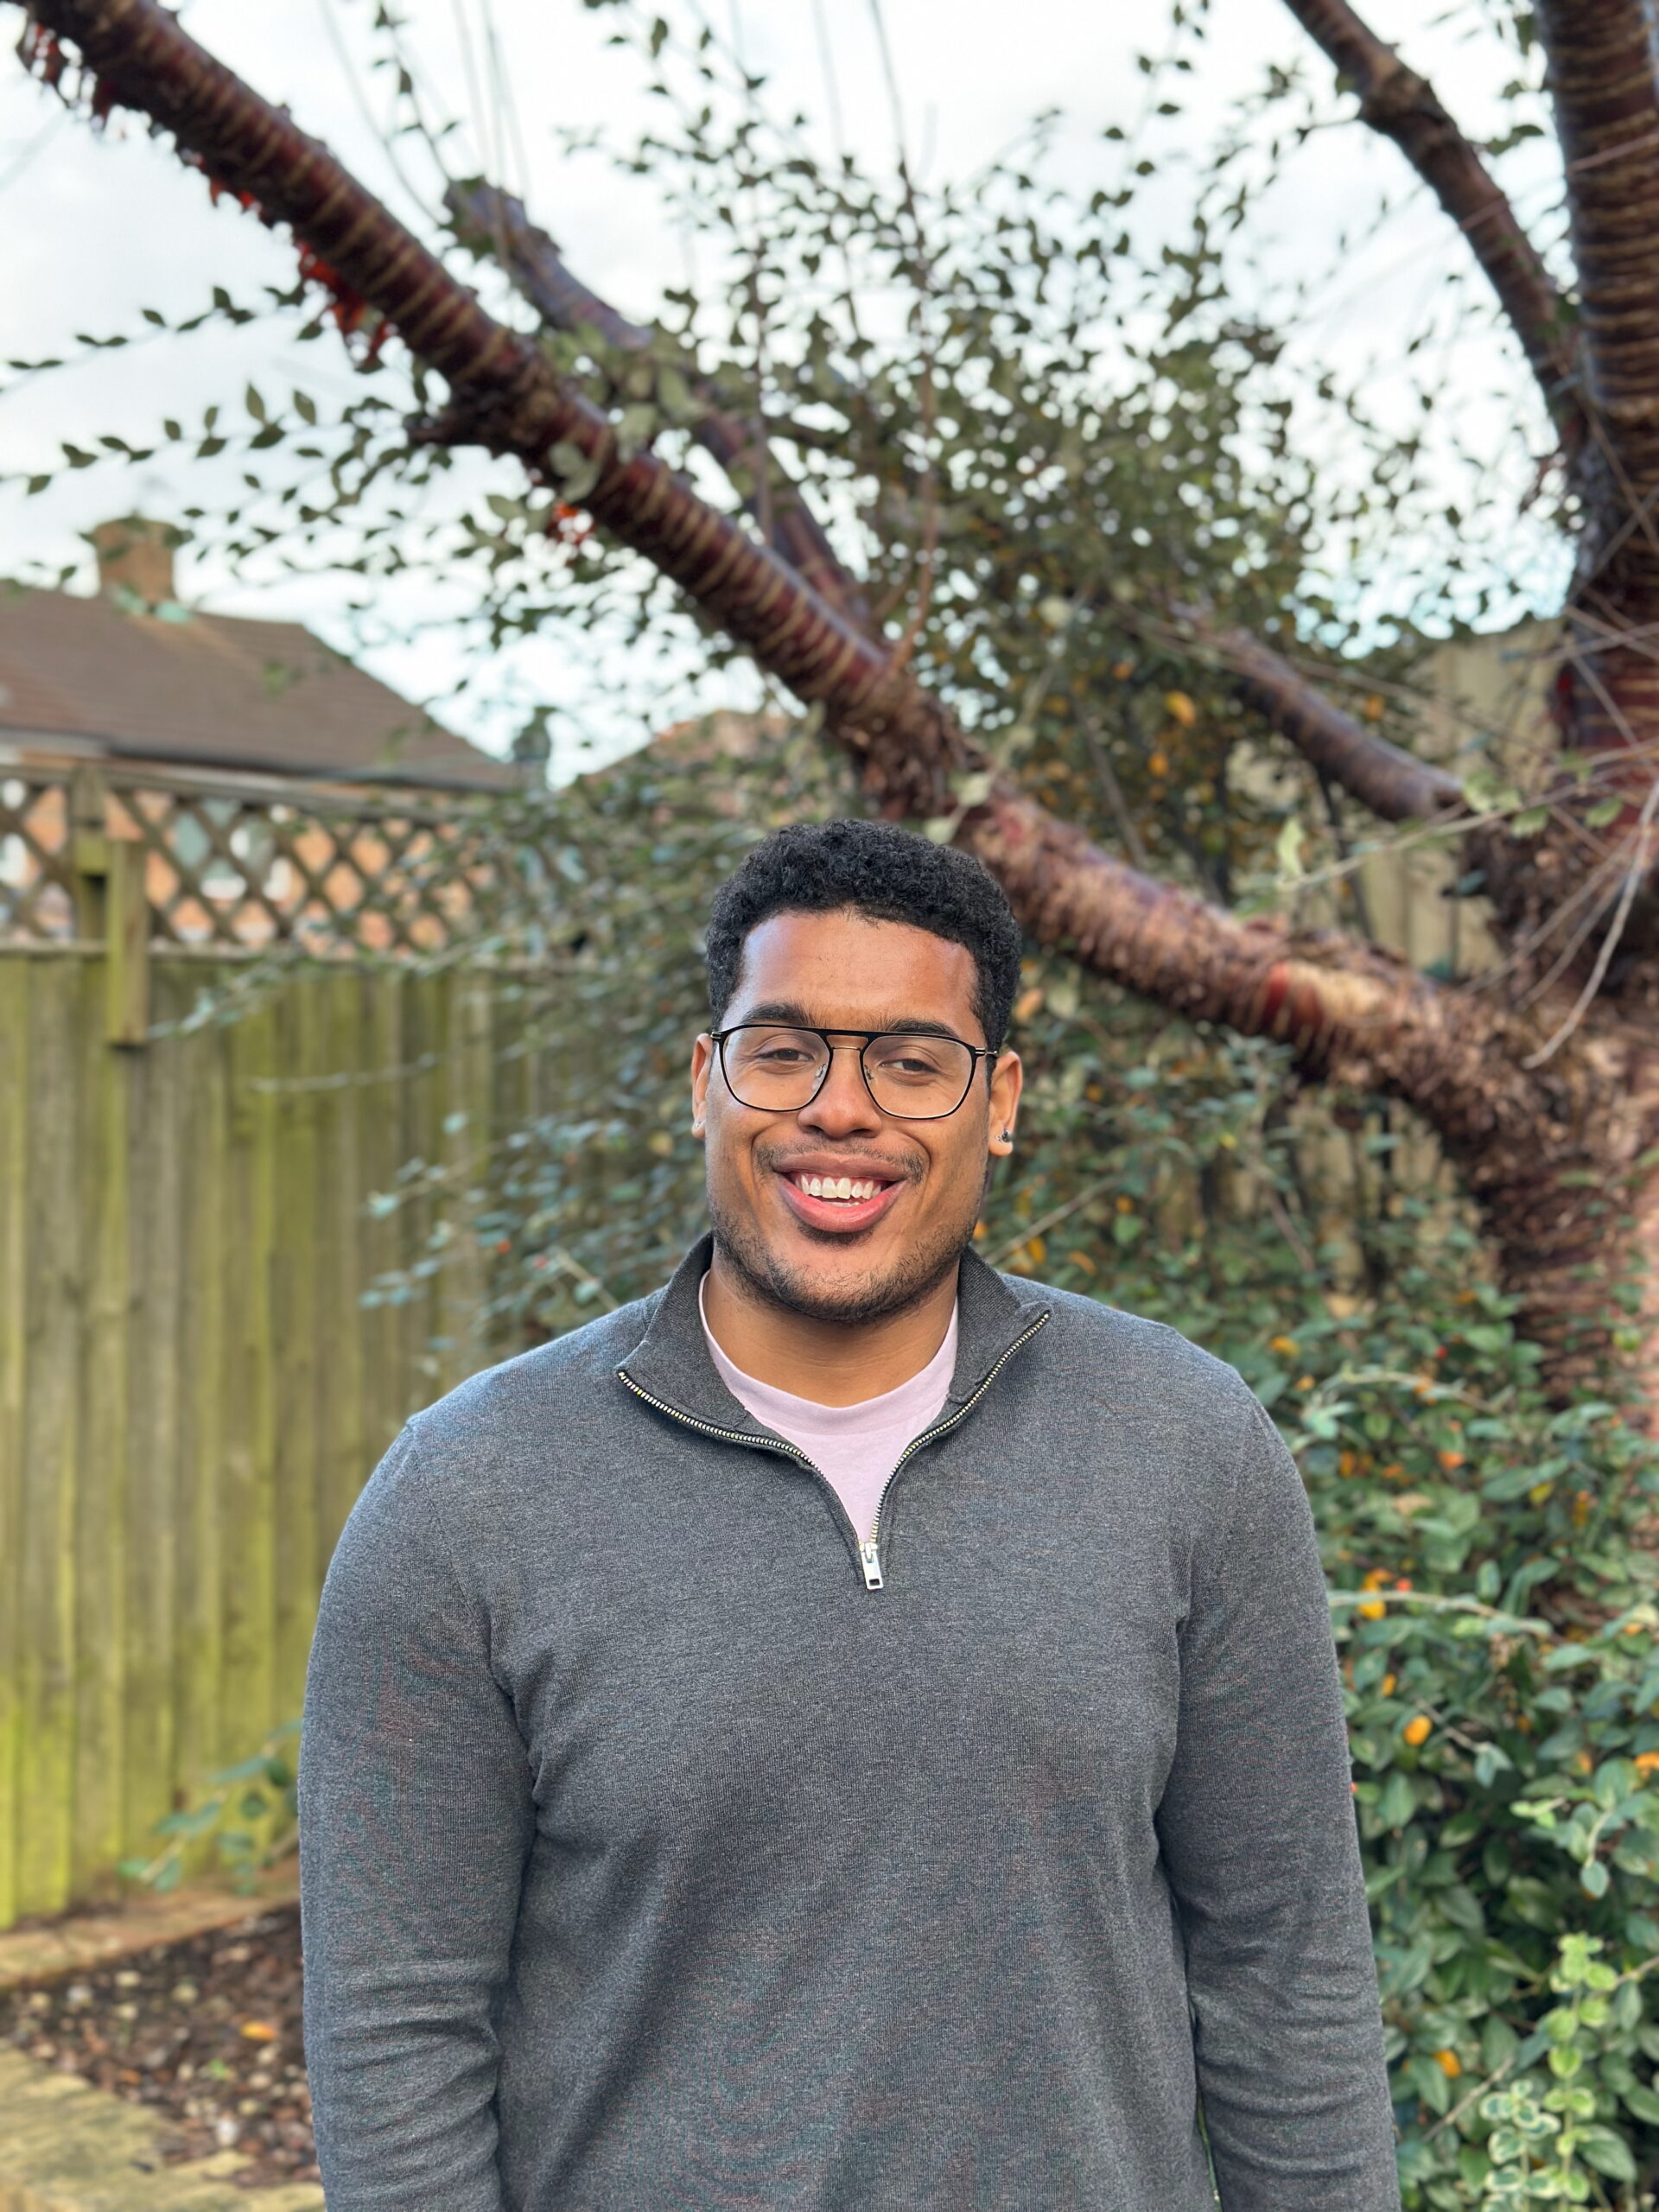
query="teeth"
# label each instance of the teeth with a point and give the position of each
(836, 1186)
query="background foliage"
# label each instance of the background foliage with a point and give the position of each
(1490, 1553)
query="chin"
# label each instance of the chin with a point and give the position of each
(842, 1286)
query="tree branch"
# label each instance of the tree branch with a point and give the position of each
(490, 221)
(1394, 785)
(1404, 106)
(1347, 1010)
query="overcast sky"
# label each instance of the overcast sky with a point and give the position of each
(93, 231)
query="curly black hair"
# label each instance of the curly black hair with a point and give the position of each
(879, 870)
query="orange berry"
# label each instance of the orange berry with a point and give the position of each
(1181, 709)
(1389, 1682)
(1451, 1460)
(1418, 1730)
(1449, 2063)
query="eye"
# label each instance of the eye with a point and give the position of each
(914, 1058)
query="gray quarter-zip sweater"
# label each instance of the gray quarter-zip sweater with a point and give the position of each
(655, 1860)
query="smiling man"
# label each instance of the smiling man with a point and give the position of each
(854, 1731)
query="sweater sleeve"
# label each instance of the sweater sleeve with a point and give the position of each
(415, 1822)
(1259, 1840)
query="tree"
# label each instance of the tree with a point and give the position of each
(1545, 1095)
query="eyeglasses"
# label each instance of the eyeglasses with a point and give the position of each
(914, 1078)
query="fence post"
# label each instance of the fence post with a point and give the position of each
(126, 932)
(89, 851)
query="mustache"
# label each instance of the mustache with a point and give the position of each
(908, 1169)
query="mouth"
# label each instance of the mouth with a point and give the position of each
(841, 1204)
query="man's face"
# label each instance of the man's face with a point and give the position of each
(857, 1260)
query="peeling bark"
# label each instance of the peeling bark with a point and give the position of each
(1602, 79)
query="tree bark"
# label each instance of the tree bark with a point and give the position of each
(1602, 79)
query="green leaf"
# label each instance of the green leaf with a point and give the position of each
(1608, 2153)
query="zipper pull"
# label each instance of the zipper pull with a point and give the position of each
(870, 1556)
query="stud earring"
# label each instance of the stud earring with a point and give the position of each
(1008, 1136)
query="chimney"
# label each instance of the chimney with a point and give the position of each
(136, 555)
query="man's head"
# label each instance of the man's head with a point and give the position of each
(850, 927)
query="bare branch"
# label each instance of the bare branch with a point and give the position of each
(1404, 106)
(493, 221)
(1395, 786)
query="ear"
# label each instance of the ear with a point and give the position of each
(1007, 1080)
(702, 1064)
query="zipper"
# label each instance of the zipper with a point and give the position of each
(868, 1548)
(870, 1551)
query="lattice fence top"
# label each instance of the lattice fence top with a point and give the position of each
(247, 863)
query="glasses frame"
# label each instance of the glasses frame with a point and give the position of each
(717, 1038)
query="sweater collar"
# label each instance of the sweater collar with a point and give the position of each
(670, 1362)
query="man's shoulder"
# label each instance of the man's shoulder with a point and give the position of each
(1132, 1357)
(552, 1389)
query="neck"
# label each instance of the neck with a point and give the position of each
(832, 1362)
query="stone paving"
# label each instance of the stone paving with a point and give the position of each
(65, 2147)
(68, 2147)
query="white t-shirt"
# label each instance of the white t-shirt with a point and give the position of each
(856, 1448)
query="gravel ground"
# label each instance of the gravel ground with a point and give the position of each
(206, 2032)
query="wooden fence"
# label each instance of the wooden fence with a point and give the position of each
(191, 1387)
(190, 1390)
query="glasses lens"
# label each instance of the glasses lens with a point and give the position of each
(774, 1069)
(917, 1076)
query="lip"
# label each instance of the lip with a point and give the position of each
(840, 1217)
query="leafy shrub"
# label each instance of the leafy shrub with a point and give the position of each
(247, 1815)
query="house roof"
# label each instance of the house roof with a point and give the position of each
(112, 677)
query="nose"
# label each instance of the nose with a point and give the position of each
(844, 1105)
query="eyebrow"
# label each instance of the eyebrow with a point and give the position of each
(795, 1016)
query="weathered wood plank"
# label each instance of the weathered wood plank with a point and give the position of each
(14, 1285)
(347, 1448)
(202, 1106)
(248, 1474)
(52, 1440)
(104, 1078)
(158, 1366)
(296, 1266)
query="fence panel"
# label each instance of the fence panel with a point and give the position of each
(191, 1390)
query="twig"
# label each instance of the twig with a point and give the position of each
(1609, 943)
(1114, 791)
(1281, 1213)
(1049, 1220)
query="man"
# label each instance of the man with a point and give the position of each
(854, 1731)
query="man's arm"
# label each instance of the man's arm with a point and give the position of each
(415, 1821)
(1258, 1836)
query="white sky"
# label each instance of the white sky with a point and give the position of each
(92, 231)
